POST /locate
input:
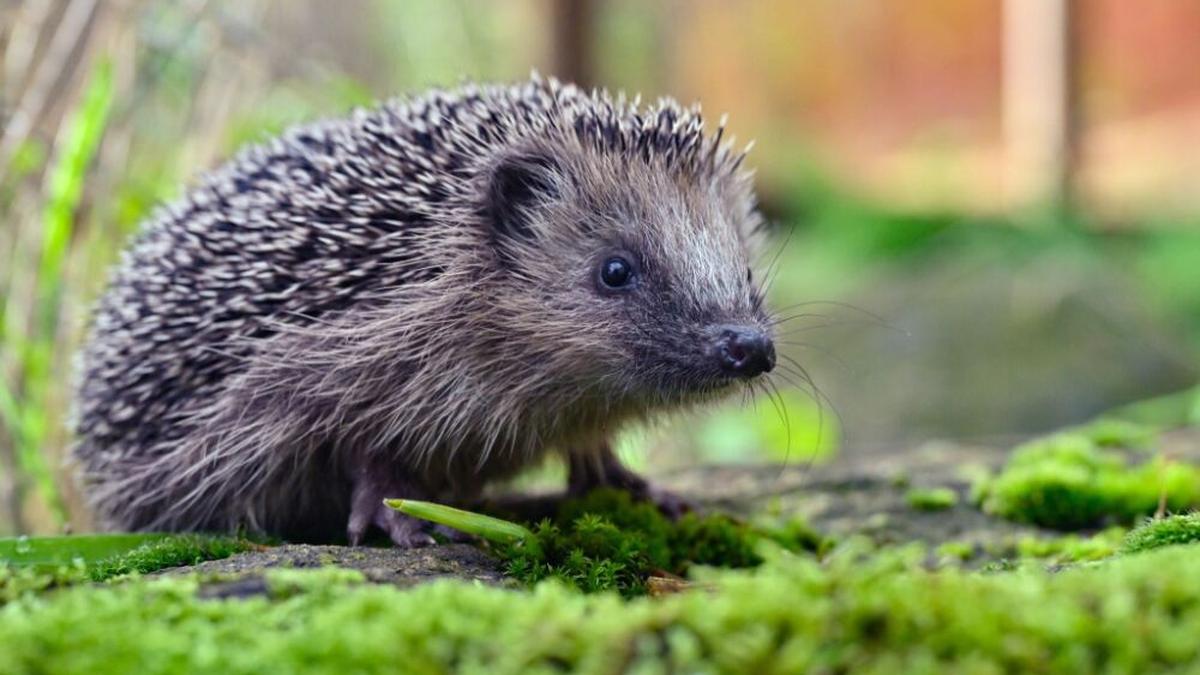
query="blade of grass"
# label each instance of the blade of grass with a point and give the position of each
(492, 529)
(82, 139)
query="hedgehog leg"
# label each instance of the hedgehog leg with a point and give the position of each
(367, 509)
(601, 468)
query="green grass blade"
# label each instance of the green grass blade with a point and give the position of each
(82, 139)
(492, 529)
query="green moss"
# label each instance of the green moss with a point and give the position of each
(607, 541)
(959, 551)
(172, 551)
(931, 499)
(1072, 548)
(18, 579)
(879, 614)
(1170, 531)
(1112, 432)
(1035, 552)
(17, 582)
(1075, 480)
(793, 534)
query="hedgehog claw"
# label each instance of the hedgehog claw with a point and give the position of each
(404, 531)
(672, 505)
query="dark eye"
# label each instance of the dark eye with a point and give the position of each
(616, 272)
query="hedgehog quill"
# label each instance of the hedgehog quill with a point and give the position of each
(415, 301)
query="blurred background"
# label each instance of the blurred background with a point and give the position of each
(995, 201)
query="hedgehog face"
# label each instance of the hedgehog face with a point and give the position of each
(638, 274)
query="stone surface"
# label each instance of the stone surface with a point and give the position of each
(241, 574)
(860, 494)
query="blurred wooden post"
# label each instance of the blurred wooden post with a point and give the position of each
(1041, 106)
(572, 32)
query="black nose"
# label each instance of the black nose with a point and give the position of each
(744, 351)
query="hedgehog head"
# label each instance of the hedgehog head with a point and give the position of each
(630, 272)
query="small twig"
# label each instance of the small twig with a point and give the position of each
(661, 583)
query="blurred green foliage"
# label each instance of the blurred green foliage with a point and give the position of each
(1079, 479)
(1072, 548)
(838, 241)
(931, 499)
(789, 427)
(287, 106)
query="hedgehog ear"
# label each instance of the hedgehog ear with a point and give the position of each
(517, 184)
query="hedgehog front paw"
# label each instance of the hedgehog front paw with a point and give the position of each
(672, 505)
(367, 509)
(404, 531)
(603, 469)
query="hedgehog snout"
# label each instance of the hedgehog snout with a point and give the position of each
(742, 351)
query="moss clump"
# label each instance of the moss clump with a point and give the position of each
(1072, 548)
(931, 499)
(18, 579)
(1111, 432)
(1074, 480)
(171, 551)
(1170, 531)
(955, 551)
(17, 582)
(882, 613)
(607, 541)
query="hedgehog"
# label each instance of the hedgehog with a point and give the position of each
(416, 301)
